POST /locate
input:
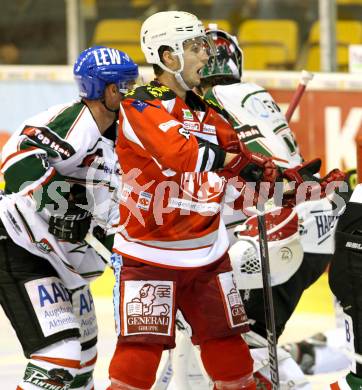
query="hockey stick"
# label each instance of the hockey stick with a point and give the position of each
(98, 247)
(268, 298)
(165, 375)
(304, 80)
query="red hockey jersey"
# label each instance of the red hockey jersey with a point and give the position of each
(170, 200)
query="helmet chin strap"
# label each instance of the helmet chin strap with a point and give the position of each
(181, 81)
(103, 101)
(177, 73)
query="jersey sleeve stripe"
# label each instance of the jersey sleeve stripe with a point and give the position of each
(36, 185)
(75, 122)
(128, 131)
(19, 155)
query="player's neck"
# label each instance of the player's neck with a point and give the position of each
(169, 80)
(101, 115)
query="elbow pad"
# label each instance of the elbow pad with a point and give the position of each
(211, 156)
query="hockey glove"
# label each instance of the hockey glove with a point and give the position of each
(250, 166)
(315, 188)
(74, 224)
(303, 172)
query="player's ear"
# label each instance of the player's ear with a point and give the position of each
(113, 88)
(170, 59)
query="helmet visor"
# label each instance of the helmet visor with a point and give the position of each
(200, 43)
(126, 86)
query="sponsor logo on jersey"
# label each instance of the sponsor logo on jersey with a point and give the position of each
(13, 221)
(144, 200)
(167, 125)
(148, 307)
(44, 136)
(52, 305)
(209, 129)
(44, 246)
(354, 245)
(139, 105)
(187, 114)
(54, 379)
(184, 132)
(126, 192)
(324, 223)
(233, 304)
(249, 133)
(193, 126)
(52, 293)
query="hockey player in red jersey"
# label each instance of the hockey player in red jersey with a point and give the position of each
(178, 156)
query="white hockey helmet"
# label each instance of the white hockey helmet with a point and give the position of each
(285, 249)
(169, 28)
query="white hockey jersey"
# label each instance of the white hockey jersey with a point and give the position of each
(59, 146)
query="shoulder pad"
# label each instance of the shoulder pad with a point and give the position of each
(212, 102)
(151, 91)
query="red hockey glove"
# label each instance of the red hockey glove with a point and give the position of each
(250, 166)
(303, 172)
(315, 189)
(334, 176)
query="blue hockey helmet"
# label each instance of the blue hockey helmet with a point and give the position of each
(98, 66)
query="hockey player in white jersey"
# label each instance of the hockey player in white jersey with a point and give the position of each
(60, 170)
(261, 125)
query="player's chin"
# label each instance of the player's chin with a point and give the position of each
(197, 80)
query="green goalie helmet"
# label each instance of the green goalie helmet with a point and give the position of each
(228, 60)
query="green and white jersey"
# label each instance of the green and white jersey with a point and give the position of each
(48, 153)
(258, 120)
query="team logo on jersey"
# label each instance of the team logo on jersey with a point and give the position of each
(139, 105)
(148, 307)
(44, 246)
(187, 114)
(55, 379)
(248, 133)
(144, 200)
(44, 136)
